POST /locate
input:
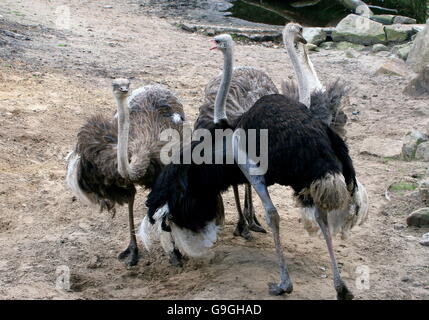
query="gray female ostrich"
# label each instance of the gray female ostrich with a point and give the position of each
(238, 89)
(303, 153)
(114, 155)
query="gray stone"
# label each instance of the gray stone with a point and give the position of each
(379, 47)
(411, 141)
(384, 148)
(351, 53)
(314, 35)
(383, 18)
(344, 45)
(404, 20)
(399, 32)
(394, 67)
(422, 152)
(312, 47)
(402, 50)
(425, 240)
(419, 218)
(329, 45)
(358, 29)
(419, 54)
(419, 85)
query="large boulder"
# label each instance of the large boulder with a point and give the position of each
(419, 218)
(394, 67)
(404, 20)
(419, 54)
(411, 141)
(399, 32)
(384, 148)
(402, 50)
(422, 152)
(358, 29)
(419, 85)
(315, 35)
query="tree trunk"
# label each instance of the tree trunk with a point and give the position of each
(358, 6)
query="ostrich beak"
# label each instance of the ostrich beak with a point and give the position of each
(300, 38)
(215, 45)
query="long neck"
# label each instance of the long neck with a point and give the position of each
(314, 82)
(220, 101)
(124, 168)
(301, 73)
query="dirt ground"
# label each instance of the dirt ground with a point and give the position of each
(52, 82)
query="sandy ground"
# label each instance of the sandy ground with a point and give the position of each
(54, 81)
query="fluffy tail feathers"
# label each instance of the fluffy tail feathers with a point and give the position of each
(193, 244)
(340, 220)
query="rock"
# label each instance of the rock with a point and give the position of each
(384, 148)
(425, 240)
(419, 85)
(357, 29)
(187, 27)
(399, 32)
(351, 53)
(411, 141)
(394, 67)
(312, 47)
(419, 54)
(329, 45)
(424, 190)
(108, 7)
(422, 152)
(379, 47)
(383, 18)
(398, 226)
(402, 50)
(314, 35)
(404, 20)
(418, 218)
(344, 45)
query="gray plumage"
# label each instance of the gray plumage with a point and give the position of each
(326, 105)
(248, 85)
(112, 155)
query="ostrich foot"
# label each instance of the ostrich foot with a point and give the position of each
(278, 289)
(133, 253)
(176, 258)
(343, 293)
(242, 230)
(254, 224)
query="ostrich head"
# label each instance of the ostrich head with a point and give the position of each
(223, 42)
(293, 32)
(121, 87)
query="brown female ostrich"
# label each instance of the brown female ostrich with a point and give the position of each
(303, 153)
(246, 86)
(112, 156)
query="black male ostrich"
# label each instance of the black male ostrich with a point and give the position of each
(303, 153)
(239, 89)
(112, 156)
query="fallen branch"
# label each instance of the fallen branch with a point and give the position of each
(357, 6)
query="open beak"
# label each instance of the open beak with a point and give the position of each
(214, 45)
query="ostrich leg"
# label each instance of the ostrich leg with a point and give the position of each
(271, 216)
(343, 293)
(242, 228)
(249, 211)
(132, 249)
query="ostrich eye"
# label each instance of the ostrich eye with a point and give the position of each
(217, 41)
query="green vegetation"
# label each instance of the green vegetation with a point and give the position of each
(403, 186)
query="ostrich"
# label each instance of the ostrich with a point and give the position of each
(112, 156)
(246, 86)
(303, 152)
(326, 103)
